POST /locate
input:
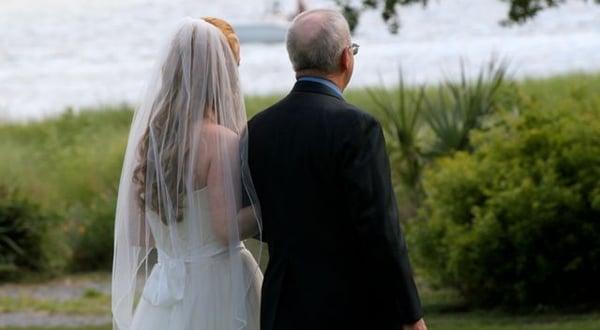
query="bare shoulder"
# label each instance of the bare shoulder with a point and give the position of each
(218, 138)
(215, 132)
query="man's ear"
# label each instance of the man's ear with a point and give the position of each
(345, 60)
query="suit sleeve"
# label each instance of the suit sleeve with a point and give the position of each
(245, 157)
(365, 175)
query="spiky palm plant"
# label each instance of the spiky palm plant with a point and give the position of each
(448, 115)
(400, 110)
(459, 107)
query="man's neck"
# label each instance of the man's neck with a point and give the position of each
(336, 79)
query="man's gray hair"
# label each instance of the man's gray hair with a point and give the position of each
(316, 39)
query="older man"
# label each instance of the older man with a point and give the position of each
(337, 257)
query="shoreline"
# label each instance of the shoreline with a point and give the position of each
(265, 99)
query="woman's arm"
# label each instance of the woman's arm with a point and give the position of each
(225, 189)
(247, 223)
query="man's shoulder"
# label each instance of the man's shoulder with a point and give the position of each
(342, 113)
(266, 113)
(349, 116)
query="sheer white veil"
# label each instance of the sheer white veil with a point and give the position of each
(187, 135)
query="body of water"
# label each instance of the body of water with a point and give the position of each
(60, 53)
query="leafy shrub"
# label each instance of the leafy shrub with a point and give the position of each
(65, 161)
(517, 222)
(26, 238)
(422, 125)
(93, 234)
(71, 164)
(462, 106)
(401, 111)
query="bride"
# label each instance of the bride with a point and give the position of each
(179, 259)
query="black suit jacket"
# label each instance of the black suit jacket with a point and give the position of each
(338, 259)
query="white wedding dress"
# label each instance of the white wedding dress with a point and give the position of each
(193, 292)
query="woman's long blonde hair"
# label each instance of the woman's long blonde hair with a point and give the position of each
(183, 102)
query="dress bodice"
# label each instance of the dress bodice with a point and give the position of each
(182, 247)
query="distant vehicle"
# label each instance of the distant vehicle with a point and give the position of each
(272, 29)
(267, 32)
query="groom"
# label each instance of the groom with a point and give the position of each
(337, 257)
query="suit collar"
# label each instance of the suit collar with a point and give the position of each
(314, 87)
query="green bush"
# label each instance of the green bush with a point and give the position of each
(93, 234)
(71, 165)
(423, 124)
(67, 161)
(27, 243)
(517, 222)
(400, 111)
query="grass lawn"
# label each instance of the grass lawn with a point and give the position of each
(477, 321)
(442, 311)
(483, 321)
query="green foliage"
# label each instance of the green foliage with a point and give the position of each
(462, 106)
(422, 125)
(351, 13)
(93, 234)
(401, 110)
(70, 165)
(91, 303)
(522, 10)
(519, 11)
(26, 244)
(517, 222)
(67, 161)
(389, 14)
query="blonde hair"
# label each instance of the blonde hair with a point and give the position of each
(182, 101)
(229, 33)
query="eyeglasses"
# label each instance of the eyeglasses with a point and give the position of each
(354, 48)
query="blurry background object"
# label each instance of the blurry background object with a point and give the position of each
(273, 32)
(270, 28)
